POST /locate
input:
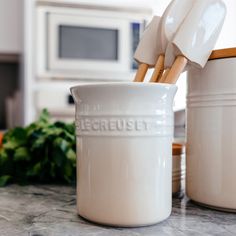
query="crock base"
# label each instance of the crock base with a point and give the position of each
(214, 207)
(119, 225)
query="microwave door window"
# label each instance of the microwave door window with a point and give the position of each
(88, 43)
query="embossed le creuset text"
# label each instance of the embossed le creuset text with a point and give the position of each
(118, 125)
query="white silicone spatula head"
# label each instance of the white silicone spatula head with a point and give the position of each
(196, 37)
(149, 47)
(172, 18)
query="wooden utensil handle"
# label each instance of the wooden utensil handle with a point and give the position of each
(164, 75)
(176, 69)
(141, 72)
(159, 68)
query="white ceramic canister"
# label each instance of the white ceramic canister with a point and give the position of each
(124, 150)
(211, 132)
(178, 170)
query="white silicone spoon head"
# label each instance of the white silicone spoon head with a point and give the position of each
(200, 30)
(172, 18)
(149, 47)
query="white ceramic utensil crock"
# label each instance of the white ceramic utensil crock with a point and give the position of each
(211, 132)
(124, 150)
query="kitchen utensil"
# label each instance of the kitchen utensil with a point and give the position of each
(164, 75)
(169, 60)
(211, 132)
(124, 152)
(172, 18)
(197, 36)
(148, 49)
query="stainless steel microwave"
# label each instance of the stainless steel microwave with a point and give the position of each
(87, 43)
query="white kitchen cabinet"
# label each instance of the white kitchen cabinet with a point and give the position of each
(11, 27)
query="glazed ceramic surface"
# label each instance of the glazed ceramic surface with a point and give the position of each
(211, 134)
(197, 35)
(124, 147)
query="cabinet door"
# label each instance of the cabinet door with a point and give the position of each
(11, 27)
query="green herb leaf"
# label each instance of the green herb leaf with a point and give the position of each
(41, 152)
(21, 154)
(44, 117)
(4, 180)
(35, 170)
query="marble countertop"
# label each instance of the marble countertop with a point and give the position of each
(51, 211)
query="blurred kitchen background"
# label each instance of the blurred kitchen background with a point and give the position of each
(47, 46)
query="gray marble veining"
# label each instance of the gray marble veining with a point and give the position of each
(51, 211)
